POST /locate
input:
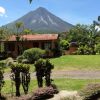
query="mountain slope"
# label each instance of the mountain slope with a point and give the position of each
(42, 20)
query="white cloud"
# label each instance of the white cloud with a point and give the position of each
(2, 12)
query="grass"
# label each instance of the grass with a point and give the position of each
(77, 62)
(73, 62)
(62, 84)
(73, 84)
(68, 62)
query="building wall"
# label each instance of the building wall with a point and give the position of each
(14, 48)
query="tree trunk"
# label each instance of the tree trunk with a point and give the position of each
(17, 83)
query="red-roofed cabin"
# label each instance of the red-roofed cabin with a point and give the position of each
(14, 45)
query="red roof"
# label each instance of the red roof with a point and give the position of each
(35, 37)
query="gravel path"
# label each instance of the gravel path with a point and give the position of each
(68, 74)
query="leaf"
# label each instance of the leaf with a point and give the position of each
(98, 18)
(30, 1)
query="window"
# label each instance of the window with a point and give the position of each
(11, 46)
(47, 45)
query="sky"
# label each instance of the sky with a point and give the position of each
(72, 11)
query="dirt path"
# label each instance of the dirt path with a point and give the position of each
(68, 74)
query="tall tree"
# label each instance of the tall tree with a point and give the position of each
(18, 26)
(85, 37)
(27, 31)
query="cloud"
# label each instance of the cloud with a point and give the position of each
(2, 12)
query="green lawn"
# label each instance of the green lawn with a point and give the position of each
(73, 62)
(77, 62)
(62, 84)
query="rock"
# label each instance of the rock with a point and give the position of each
(70, 95)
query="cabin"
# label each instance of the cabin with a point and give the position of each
(15, 44)
(72, 49)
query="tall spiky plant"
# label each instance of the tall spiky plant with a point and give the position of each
(30, 1)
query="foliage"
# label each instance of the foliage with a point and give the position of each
(64, 44)
(9, 61)
(97, 48)
(85, 36)
(20, 74)
(78, 33)
(40, 64)
(4, 35)
(33, 54)
(27, 31)
(25, 76)
(2, 47)
(84, 50)
(20, 59)
(91, 92)
(1, 78)
(43, 69)
(18, 26)
(57, 51)
(43, 64)
(30, 1)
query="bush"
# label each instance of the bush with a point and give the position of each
(20, 74)
(91, 92)
(84, 50)
(9, 61)
(33, 54)
(1, 79)
(97, 48)
(43, 69)
(43, 93)
(20, 59)
(64, 44)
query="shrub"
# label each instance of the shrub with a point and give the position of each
(20, 59)
(33, 54)
(97, 48)
(64, 44)
(20, 74)
(43, 69)
(84, 50)
(9, 61)
(91, 92)
(1, 79)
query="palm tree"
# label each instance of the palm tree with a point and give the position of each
(18, 26)
(27, 31)
(30, 1)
